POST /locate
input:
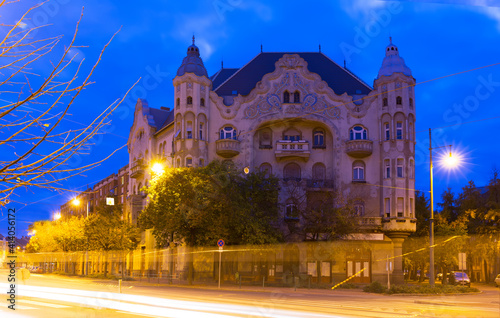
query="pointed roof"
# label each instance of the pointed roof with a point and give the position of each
(393, 63)
(221, 76)
(192, 63)
(339, 79)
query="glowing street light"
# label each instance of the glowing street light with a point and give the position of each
(76, 202)
(158, 169)
(450, 161)
(57, 216)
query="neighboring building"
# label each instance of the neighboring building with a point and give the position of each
(303, 118)
(113, 186)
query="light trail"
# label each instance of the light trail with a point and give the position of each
(155, 306)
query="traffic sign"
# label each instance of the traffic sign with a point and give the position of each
(220, 243)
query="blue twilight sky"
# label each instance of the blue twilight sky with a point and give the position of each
(437, 39)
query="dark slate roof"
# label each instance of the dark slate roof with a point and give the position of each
(338, 78)
(192, 63)
(221, 76)
(159, 116)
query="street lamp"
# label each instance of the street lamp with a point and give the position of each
(57, 216)
(158, 168)
(449, 161)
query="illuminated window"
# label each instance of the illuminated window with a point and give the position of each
(228, 132)
(358, 133)
(399, 130)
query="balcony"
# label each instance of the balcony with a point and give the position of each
(370, 223)
(320, 184)
(401, 224)
(227, 148)
(137, 170)
(359, 148)
(288, 148)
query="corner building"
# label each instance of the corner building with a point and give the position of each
(308, 121)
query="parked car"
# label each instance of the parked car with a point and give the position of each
(459, 278)
(497, 280)
(439, 276)
(35, 269)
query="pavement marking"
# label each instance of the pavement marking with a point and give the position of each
(32, 302)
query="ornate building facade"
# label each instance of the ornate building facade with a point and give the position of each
(305, 119)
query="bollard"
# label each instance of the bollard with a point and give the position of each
(120, 285)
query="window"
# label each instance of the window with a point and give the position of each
(292, 172)
(296, 97)
(318, 172)
(411, 171)
(358, 171)
(410, 102)
(400, 206)
(202, 102)
(265, 138)
(358, 133)
(291, 210)
(189, 130)
(286, 97)
(387, 165)
(399, 100)
(399, 130)
(359, 208)
(178, 163)
(410, 132)
(318, 138)
(189, 162)
(387, 131)
(178, 103)
(292, 135)
(387, 207)
(202, 162)
(266, 168)
(411, 207)
(189, 100)
(385, 102)
(228, 132)
(399, 168)
(201, 131)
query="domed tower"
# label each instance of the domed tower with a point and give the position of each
(191, 99)
(396, 105)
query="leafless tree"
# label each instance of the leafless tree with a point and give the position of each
(35, 145)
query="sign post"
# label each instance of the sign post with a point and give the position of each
(220, 243)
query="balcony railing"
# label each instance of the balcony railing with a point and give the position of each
(359, 148)
(288, 148)
(137, 169)
(227, 148)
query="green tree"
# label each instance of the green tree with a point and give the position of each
(449, 210)
(57, 236)
(106, 231)
(198, 206)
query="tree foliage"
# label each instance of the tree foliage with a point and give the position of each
(57, 236)
(204, 204)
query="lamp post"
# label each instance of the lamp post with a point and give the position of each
(451, 161)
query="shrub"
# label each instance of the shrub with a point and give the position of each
(375, 287)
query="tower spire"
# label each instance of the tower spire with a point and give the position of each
(193, 39)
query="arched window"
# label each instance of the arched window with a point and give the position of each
(400, 168)
(202, 102)
(296, 97)
(399, 100)
(160, 150)
(228, 132)
(201, 131)
(358, 171)
(318, 172)
(387, 131)
(202, 162)
(387, 167)
(291, 172)
(189, 130)
(291, 210)
(189, 162)
(265, 138)
(399, 130)
(286, 97)
(266, 168)
(385, 102)
(318, 138)
(358, 133)
(189, 100)
(359, 208)
(178, 163)
(178, 103)
(292, 135)
(410, 102)
(410, 132)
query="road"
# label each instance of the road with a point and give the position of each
(50, 296)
